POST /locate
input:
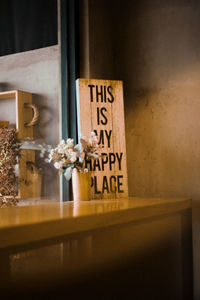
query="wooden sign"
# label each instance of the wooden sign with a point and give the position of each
(101, 109)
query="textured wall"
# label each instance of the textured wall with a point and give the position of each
(154, 47)
(37, 72)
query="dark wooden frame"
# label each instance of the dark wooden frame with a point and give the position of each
(69, 16)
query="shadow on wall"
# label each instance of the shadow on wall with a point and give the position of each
(157, 57)
(5, 86)
(164, 147)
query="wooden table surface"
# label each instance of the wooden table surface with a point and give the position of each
(48, 219)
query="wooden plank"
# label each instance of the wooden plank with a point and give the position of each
(8, 95)
(100, 108)
(29, 185)
(23, 115)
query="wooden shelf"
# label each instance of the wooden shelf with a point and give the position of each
(140, 243)
(48, 219)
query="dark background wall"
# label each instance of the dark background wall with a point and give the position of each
(154, 47)
(27, 25)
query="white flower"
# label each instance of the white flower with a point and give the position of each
(50, 158)
(73, 157)
(82, 156)
(42, 154)
(61, 150)
(70, 143)
(62, 142)
(94, 138)
(57, 165)
(93, 155)
(4, 200)
(66, 155)
(77, 147)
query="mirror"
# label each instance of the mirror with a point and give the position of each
(30, 62)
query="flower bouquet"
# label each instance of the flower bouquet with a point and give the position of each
(67, 157)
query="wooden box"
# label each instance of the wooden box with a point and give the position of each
(27, 184)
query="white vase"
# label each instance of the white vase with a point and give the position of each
(81, 185)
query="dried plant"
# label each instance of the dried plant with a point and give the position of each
(9, 152)
(8, 201)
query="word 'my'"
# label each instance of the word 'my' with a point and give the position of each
(103, 137)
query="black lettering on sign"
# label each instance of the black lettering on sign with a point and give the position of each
(103, 93)
(94, 184)
(104, 89)
(98, 116)
(112, 160)
(99, 93)
(105, 185)
(119, 183)
(96, 165)
(104, 160)
(91, 86)
(113, 187)
(105, 121)
(101, 117)
(101, 135)
(119, 158)
(111, 99)
(108, 135)
(88, 164)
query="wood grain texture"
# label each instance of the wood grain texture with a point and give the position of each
(101, 109)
